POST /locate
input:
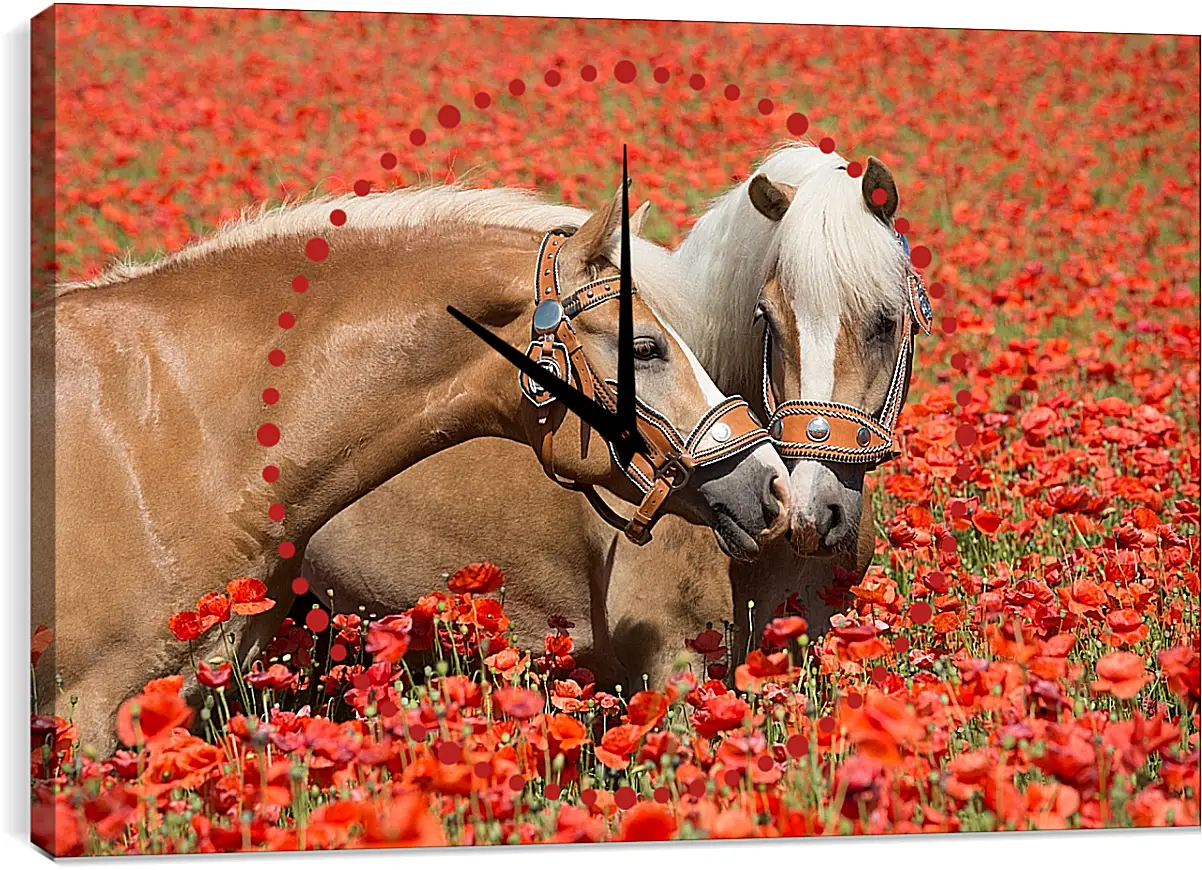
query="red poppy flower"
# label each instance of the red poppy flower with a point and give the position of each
(248, 596)
(185, 625)
(479, 578)
(388, 638)
(779, 632)
(518, 703)
(150, 718)
(40, 642)
(214, 677)
(211, 609)
(647, 821)
(1120, 674)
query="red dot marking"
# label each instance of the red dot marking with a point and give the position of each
(317, 249)
(765, 763)
(388, 160)
(300, 586)
(270, 473)
(448, 116)
(797, 745)
(417, 731)
(958, 509)
(879, 674)
(338, 652)
(963, 397)
(286, 549)
(417, 137)
(482, 100)
(696, 81)
(276, 357)
(517, 87)
(317, 621)
(920, 613)
(879, 196)
(276, 512)
(387, 708)
(589, 74)
(949, 325)
(662, 75)
(936, 290)
(270, 396)
(552, 791)
(900, 645)
(854, 701)
(338, 217)
(448, 753)
(362, 682)
(854, 169)
(921, 256)
(960, 361)
(826, 144)
(287, 320)
(552, 78)
(482, 769)
(963, 472)
(765, 106)
(269, 436)
(901, 225)
(732, 778)
(362, 188)
(661, 795)
(588, 797)
(948, 544)
(625, 797)
(697, 787)
(826, 724)
(797, 123)
(732, 92)
(300, 283)
(966, 435)
(625, 72)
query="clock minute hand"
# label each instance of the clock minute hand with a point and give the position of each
(627, 416)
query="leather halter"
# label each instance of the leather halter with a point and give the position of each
(833, 432)
(725, 430)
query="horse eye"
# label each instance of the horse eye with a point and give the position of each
(882, 328)
(646, 349)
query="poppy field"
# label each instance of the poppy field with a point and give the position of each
(1024, 650)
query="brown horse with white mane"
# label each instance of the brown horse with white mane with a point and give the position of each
(149, 389)
(800, 250)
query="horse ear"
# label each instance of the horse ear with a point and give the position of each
(594, 239)
(877, 177)
(771, 198)
(638, 218)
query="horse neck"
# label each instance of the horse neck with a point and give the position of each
(727, 256)
(389, 377)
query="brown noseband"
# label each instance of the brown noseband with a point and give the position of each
(833, 432)
(725, 430)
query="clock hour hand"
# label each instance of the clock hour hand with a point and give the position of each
(604, 422)
(627, 416)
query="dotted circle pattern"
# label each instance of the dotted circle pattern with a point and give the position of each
(449, 116)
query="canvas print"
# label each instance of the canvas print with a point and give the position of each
(467, 430)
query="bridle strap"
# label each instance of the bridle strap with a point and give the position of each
(724, 431)
(836, 433)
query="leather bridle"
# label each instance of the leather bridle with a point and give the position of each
(836, 433)
(725, 430)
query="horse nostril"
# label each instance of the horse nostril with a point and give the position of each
(830, 517)
(775, 499)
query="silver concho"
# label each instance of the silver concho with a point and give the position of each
(863, 436)
(777, 429)
(720, 432)
(818, 429)
(547, 316)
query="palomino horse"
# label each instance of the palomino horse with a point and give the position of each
(152, 380)
(811, 250)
